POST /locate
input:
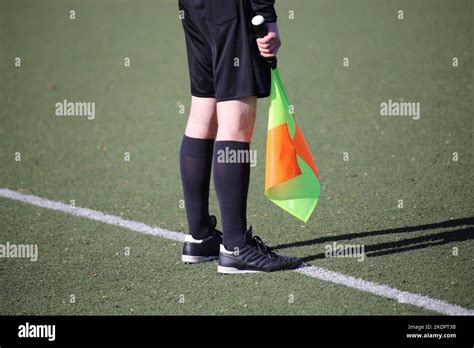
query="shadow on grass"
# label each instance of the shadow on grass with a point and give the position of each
(398, 246)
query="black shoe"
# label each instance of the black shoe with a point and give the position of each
(254, 257)
(201, 250)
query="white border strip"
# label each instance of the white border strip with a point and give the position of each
(310, 271)
(92, 214)
(385, 291)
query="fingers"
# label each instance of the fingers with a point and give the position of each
(269, 50)
(263, 46)
(269, 45)
(267, 39)
(268, 55)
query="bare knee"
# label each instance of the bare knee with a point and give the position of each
(236, 119)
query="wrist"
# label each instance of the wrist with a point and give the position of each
(272, 26)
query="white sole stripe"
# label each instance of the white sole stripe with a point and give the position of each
(232, 270)
(197, 259)
(406, 297)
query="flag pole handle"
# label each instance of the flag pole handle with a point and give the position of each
(261, 30)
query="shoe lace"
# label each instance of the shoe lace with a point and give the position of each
(219, 233)
(260, 246)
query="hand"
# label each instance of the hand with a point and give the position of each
(269, 45)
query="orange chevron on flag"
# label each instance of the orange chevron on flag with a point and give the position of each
(291, 175)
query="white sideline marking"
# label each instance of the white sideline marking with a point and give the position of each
(310, 271)
(92, 214)
(385, 291)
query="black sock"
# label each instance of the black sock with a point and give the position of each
(231, 181)
(195, 165)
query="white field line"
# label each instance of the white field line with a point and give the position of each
(92, 214)
(310, 271)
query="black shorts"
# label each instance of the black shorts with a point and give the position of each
(223, 57)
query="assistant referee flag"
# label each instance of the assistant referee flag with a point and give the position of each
(291, 175)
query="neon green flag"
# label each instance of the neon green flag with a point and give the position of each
(291, 175)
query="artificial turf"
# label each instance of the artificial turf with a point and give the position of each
(137, 111)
